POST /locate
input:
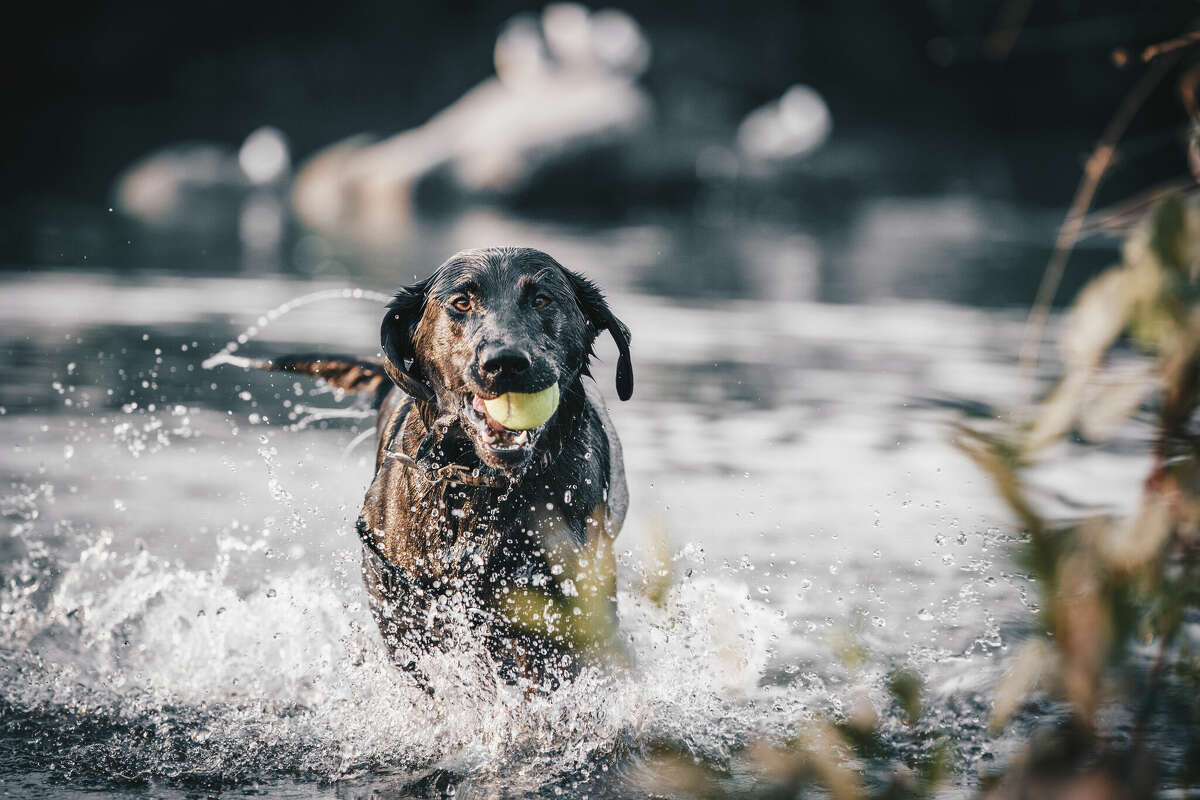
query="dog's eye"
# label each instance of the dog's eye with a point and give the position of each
(462, 303)
(541, 301)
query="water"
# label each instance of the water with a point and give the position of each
(181, 605)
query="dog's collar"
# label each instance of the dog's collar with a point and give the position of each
(455, 473)
(432, 472)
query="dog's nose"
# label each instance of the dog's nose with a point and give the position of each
(507, 360)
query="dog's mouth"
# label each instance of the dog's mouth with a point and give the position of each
(505, 445)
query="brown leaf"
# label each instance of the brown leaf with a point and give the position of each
(1097, 317)
(1082, 631)
(827, 750)
(1131, 544)
(1057, 413)
(1023, 676)
(1112, 403)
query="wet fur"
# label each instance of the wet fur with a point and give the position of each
(437, 553)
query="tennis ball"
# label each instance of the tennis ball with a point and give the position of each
(518, 411)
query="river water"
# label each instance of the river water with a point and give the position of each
(181, 607)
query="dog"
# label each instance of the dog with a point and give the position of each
(467, 521)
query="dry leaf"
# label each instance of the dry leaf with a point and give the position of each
(1097, 318)
(1113, 403)
(1023, 676)
(1057, 414)
(1139, 539)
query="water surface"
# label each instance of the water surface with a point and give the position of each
(181, 606)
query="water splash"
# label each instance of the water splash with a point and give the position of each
(301, 415)
(226, 354)
(126, 668)
(122, 667)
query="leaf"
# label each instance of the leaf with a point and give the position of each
(1112, 404)
(1083, 631)
(1098, 316)
(1153, 324)
(862, 719)
(938, 765)
(674, 773)
(905, 686)
(1168, 229)
(827, 749)
(1057, 414)
(1137, 541)
(998, 461)
(1035, 661)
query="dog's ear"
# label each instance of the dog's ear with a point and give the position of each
(395, 336)
(595, 308)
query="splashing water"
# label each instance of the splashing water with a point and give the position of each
(225, 354)
(180, 601)
(304, 416)
(127, 667)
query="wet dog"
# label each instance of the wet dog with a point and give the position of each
(471, 525)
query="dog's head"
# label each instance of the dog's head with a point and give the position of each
(490, 322)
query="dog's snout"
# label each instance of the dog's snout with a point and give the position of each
(494, 361)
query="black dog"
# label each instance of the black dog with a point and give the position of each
(508, 530)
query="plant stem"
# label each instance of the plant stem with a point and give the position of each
(1094, 170)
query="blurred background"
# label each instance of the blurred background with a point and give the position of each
(924, 149)
(824, 222)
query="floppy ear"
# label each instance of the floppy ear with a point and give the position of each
(395, 336)
(595, 308)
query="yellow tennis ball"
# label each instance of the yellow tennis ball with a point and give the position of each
(518, 411)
